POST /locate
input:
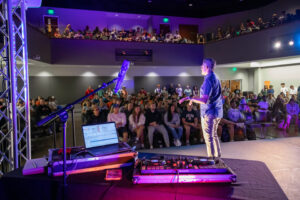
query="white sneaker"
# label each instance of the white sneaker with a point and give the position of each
(178, 143)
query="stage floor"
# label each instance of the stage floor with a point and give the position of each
(281, 157)
(279, 153)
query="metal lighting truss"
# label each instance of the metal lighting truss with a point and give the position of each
(15, 141)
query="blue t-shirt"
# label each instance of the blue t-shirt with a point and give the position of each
(214, 105)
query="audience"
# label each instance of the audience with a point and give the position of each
(164, 118)
(141, 35)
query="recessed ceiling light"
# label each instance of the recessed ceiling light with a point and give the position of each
(291, 43)
(190, 4)
(277, 45)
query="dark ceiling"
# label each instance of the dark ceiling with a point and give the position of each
(183, 8)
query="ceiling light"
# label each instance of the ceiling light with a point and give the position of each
(190, 4)
(291, 43)
(277, 45)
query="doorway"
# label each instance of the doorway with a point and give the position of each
(164, 29)
(189, 32)
(51, 23)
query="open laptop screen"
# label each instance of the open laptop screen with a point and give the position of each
(100, 135)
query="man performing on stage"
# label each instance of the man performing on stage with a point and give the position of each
(211, 104)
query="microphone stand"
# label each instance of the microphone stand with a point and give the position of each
(63, 115)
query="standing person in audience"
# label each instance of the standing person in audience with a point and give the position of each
(172, 120)
(157, 89)
(211, 107)
(283, 88)
(237, 90)
(137, 124)
(88, 91)
(271, 100)
(179, 90)
(188, 91)
(190, 122)
(293, 91)
(271, 90)
(120, 120)
(124, 92)
(143, 92)
(164, 91)
(196, 91)
(292, 109)
(279, 113)
(154, 123)
(171, 89)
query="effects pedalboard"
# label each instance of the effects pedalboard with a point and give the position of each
(163, 168)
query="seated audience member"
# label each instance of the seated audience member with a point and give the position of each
(109, 92)
(263, 109)
(157, 89)
(234, 114)
(190, 122)
(279, 113)
(293, 91)
(154, 123)
(143, 92)
(42, 110)
(246, 111)
(95, 116)
(137, 124)
(68, 31)
(172, 121)
(286, 97)
(261, 24)
(179, 90)
(120, 121)
(124, 92)
(230, 126)
(57, 33)
(188, 91)
(283, 88)
(292, 109)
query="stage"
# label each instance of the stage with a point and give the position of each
(266, 169)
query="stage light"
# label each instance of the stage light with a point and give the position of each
(291, 43)
(277, 45)
(165, 20)
(50, 12)
(234, 69)
(190, 4)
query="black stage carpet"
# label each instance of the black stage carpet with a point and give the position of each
(254, 181)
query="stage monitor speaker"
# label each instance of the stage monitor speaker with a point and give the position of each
(28, 3)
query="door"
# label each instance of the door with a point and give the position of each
(235, 84)
(188, 31)
(164, 29)
(51, 23)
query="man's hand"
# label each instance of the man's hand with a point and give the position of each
(153, 124)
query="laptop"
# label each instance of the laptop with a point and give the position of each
(102, 139)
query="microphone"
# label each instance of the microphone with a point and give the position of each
(121, 76)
